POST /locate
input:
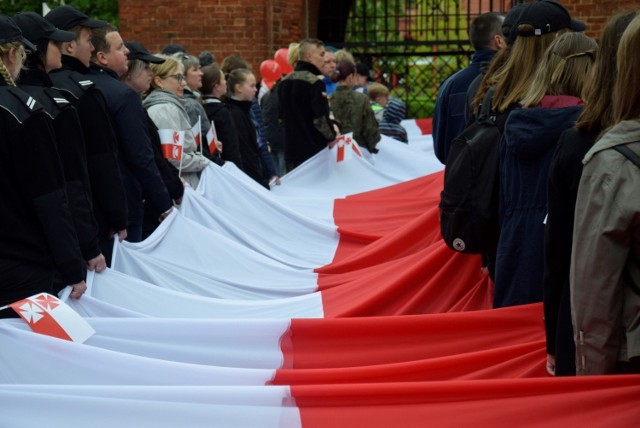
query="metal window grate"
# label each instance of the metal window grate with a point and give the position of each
(411, 45)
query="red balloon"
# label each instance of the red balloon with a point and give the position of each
(281, 58)
(270, 70)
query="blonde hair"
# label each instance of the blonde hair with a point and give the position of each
(164, 70)
(514, 78)
(5, 50)
(376, 90)
(293, 54)
(489, 79)
(563, 69)
(597, 112)
(626, 94)
(344, 55)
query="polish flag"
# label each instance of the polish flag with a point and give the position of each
(196, 131)
(47, 315)
(172, 143)
(404, 334)
(448, 369)
(212, 137)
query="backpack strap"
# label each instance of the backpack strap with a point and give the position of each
(484, 110)
(633, 157)
(628, 153)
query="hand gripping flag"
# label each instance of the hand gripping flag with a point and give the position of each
(196, 131)
(48, 315)
(212, 137)
(172, 143)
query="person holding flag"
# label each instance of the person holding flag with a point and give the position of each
(37, 232)
(214, 88)
(165, 106)
(193, 105)
(138, 78)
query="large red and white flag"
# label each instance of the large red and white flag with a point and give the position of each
(196, 131)
(172, 143)
(47, 315)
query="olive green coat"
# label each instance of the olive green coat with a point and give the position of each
(353, 112)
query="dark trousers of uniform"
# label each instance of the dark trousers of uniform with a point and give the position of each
(18, 281)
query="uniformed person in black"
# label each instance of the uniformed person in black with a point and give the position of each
(70, 144)
(109, 200)
(37, 235)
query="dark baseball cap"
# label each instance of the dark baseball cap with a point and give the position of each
(511, 22)
(10, 32)
(67, 17)
(363, 70)
(547, 16)
(137, 51)
(34, 27)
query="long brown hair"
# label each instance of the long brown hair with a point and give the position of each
(626, 94)
(489, 78)
(597, 113)
(513, 80)
(563, 69)
(211, 76)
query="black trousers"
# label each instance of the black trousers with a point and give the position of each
(18, 281)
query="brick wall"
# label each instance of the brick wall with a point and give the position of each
(596, 12)
(253, 29)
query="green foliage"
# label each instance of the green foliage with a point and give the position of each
(412, 45)
(100, 9)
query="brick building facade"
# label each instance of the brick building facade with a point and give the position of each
(255, 29)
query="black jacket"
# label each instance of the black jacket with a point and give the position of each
(138, 169)
(248, 140)
(564, 177)
(272, 126)
(36, 228)
(109, 200)
(304, 110)
(70, 145)
(218, 112)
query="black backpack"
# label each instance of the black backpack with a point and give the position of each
(469, 201)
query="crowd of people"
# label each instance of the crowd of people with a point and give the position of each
(86, 109)
(568, 200)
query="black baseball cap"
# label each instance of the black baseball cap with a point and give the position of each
(363, 70)
(511, 22)
(34, 27)
(10, 32)
(137, 51)
(67, 17)
(547, 16)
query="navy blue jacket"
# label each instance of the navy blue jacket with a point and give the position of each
(449, 113)
(135, 154)
(526, 149)
(109, 199)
